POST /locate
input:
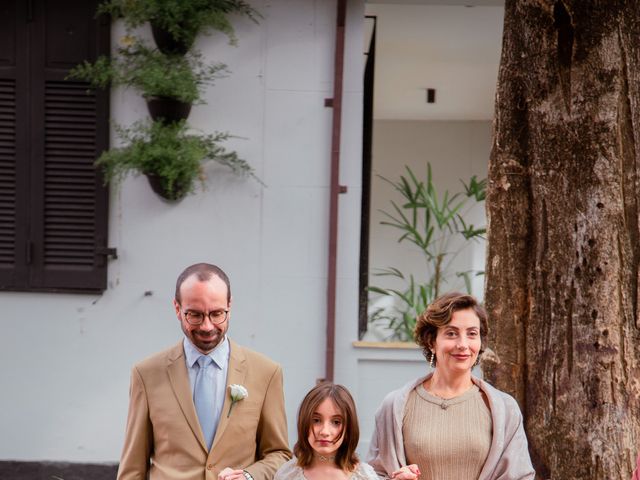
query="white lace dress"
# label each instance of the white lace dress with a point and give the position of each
(291, 471)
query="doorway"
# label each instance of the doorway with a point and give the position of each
(429, 85)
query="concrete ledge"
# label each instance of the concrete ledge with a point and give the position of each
(15, 470)
(403, 345)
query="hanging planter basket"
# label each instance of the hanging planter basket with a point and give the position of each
(167, 109)
(159, 186)
(167, 44)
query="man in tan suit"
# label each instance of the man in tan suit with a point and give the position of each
(177, 432)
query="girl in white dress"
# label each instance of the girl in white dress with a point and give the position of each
(328, 435)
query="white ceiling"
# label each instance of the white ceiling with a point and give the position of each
(446, 45)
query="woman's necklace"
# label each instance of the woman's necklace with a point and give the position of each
(322, 458)
(446, 401)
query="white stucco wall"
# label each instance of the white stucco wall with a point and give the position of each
(66, 358)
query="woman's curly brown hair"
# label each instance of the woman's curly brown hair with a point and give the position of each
(439, 314)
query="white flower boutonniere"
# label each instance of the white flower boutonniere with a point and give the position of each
(238, 392)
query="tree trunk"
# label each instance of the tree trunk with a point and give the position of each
(564, 239)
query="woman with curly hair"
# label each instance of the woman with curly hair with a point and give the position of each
(450, 425)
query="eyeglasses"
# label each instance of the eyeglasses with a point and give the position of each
(215, 316)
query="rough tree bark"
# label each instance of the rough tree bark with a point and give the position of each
(564, 239)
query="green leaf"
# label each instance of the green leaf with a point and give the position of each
(381, 291)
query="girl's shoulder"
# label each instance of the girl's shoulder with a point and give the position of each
(289, 471)
(364, 471)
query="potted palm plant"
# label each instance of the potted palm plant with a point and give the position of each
(170, 155)
(176, 24)
(435, 225)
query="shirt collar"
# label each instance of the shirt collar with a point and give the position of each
(219, 355)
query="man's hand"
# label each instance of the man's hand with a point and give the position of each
(410, 472)
(229, 474)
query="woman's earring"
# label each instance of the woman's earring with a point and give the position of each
(477, 362)
(433, 355)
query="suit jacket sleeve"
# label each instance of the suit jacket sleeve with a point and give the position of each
(271, 439)
(136, 453)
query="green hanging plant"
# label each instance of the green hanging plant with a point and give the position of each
(165, 150)
(183, 19)
(169, 154)
(154, 74)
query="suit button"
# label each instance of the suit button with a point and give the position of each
(210, 466)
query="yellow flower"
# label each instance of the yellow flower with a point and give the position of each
(127, 41)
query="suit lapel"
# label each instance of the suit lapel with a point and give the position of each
(236, 374)
(179, 378)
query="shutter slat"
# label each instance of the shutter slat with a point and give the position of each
(64, 126)
(71, 168)
(70, 153)
(64, 135)
(79, 137)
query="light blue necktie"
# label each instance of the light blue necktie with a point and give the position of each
(204, 398)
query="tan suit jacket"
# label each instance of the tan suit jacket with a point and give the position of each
(163, 438)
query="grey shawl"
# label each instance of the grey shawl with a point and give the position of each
(508, 457)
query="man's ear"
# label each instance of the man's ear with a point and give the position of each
(176, 305)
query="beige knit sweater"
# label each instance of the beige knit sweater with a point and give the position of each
(447, 439)
(508, 457)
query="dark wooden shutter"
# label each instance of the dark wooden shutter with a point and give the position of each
(66, 209)
(14, 161)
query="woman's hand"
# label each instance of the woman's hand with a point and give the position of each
(410, 472)
(231, 474)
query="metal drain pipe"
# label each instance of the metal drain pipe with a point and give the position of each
(335, 188)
